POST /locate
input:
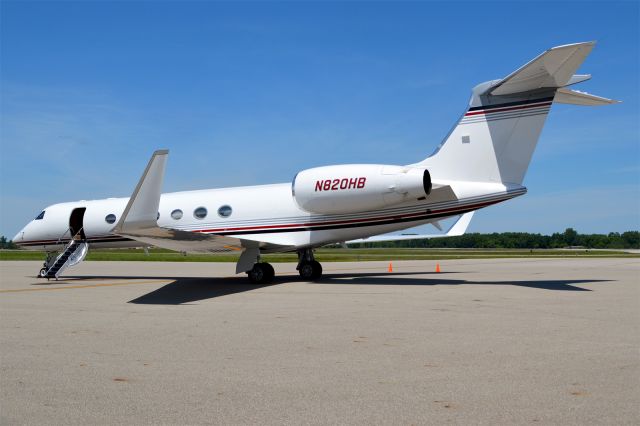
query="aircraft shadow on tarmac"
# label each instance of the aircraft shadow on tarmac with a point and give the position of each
(186, 290)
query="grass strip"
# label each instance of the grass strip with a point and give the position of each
(327, 255)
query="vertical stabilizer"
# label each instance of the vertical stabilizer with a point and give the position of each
(495, 138)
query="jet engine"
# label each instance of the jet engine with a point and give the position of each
(353, 188)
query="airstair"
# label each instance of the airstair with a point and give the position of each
(73, 253)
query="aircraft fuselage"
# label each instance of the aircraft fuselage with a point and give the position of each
(265, 213)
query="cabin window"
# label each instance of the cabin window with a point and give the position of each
(40, 216)
(224, 211)
(176, 214)
(158, 216)
(200, 213)
(110, 218)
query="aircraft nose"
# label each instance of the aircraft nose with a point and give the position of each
(19, 237)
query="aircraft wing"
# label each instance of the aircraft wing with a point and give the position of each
(553, 68)
(457, 229)
(139, 219)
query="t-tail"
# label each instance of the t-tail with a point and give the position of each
(495, 138)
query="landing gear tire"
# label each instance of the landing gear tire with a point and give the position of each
(310, 271)
(261, 273)
(269, 270)
(42, 273)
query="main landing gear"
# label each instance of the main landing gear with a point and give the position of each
(261, 273)
(308, 267)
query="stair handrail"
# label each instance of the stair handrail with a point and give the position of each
(63, 234)
(78, 233)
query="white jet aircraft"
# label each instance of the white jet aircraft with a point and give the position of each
(482, 161)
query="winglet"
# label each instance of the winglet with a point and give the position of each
(457, 229)
(461, 225)
(142, 208)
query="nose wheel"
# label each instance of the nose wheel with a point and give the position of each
(309, 268)
(261, 273)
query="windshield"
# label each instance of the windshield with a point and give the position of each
(40, 216)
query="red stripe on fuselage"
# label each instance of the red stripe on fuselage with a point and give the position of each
(350, 221)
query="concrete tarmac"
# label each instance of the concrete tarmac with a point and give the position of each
(498, 341)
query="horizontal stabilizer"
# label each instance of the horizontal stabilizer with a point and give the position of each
(552, 69)
(575, 97)
(457, 229)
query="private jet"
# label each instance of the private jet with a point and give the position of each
(481, 162)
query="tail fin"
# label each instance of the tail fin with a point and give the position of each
(495, 138)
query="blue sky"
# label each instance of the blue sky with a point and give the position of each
(247, 93)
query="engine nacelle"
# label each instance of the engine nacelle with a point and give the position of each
(352, 188)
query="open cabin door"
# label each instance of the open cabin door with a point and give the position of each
(75, 250)
(76, 222)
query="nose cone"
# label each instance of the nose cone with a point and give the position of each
(19, 237)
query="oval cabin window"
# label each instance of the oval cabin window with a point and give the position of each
(224, 211)
(200, 213)
(176, 214)
(110, 219)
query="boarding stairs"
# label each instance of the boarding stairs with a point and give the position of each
(73, 253)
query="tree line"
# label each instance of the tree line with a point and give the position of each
(503, 240)
(7, 244)
(523, 240)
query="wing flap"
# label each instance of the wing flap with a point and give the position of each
(185, 241)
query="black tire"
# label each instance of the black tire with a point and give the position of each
(305, 269)
(270, 273)
(317, 270)
(261, 273)
(310, 271)
(42, 273)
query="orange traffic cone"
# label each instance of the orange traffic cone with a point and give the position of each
(437, 267)
(390, 267)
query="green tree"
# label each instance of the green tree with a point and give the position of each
(523, 240)
(570, 237)
(6, 244)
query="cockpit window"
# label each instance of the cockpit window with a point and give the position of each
(40, 216)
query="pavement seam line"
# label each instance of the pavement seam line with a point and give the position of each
(19, 290)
